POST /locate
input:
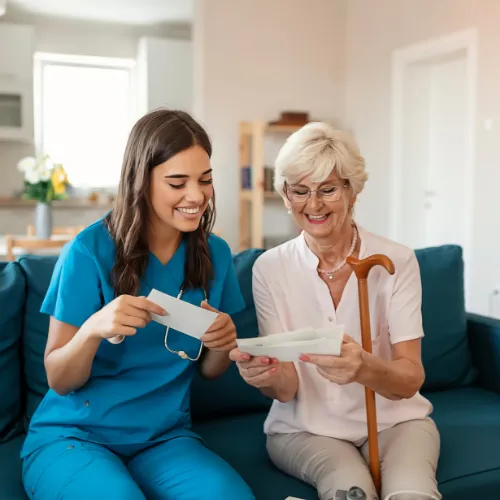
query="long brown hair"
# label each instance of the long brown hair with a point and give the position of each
(154, 139)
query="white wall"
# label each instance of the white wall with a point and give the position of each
(374, 30)
(255, 59)
(165, 69)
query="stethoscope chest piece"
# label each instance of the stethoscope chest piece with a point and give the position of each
(183, 354)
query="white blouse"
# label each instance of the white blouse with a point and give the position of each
(289, 294)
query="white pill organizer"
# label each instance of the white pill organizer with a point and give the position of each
(289, 346)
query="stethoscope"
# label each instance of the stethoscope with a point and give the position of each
(183, 354)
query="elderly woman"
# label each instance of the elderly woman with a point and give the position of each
(316, 429)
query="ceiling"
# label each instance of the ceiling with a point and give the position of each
(116, 11)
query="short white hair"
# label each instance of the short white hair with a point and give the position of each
(315, 150)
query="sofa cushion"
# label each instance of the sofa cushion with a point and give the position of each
(12, 290)
(468, 420)
(240, 441)
(229, 394)
(469, 464)
(445, 349)
(11, 486)
(38, 272)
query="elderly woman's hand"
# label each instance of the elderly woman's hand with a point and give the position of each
(259, 371)
(343, 369)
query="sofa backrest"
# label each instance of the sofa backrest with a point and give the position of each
(445, 347)
(229, 394)
(23, 333)
(37, 271)
(12, 290)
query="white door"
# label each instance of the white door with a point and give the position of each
(446, 188)
(432, 182)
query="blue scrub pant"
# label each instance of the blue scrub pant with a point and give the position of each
(180, 469)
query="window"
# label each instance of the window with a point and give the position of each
(84, 109)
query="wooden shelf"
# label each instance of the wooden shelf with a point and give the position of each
(246, 194)
(11, 202)
(252, 201)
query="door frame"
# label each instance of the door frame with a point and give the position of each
(401, 59)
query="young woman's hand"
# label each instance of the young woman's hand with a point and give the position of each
(122, 316)
(221, 336)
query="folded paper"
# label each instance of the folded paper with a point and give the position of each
(289, 346)
(182, 316)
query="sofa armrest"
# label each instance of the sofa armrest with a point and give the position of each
(484, 342)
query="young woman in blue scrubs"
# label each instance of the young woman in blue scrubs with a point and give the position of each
(115, 424)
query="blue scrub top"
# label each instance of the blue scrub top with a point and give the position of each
(138, 392)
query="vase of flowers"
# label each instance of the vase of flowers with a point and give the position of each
(44, 182)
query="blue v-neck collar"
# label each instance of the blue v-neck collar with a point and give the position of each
(156, 271)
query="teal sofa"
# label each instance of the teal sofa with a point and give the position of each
(461, 354)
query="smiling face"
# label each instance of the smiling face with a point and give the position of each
(180, 189)
(323, 212)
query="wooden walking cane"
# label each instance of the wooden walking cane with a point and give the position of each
(362, 269)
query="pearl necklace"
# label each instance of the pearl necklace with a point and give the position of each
(342, 264)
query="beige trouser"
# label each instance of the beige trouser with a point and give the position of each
(409, 454)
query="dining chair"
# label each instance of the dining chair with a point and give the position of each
(58, 230)
(32, 245)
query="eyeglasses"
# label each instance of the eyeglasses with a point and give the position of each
(328, 192)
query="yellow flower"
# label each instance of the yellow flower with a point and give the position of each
(59, 179)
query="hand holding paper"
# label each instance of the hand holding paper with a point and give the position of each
(341, 370)
(182, 316)
(221, 335)
(289, 346)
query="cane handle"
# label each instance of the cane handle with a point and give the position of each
(362, 267)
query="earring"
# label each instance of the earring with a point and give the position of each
(289, 210)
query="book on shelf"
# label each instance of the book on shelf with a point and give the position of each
(246, 178)
(268, 179)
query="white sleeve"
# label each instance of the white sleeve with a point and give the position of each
(265, 305)
(405, 313)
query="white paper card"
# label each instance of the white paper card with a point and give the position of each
(308, 333)
(293, 350)
(289, 346)
(182, 316)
